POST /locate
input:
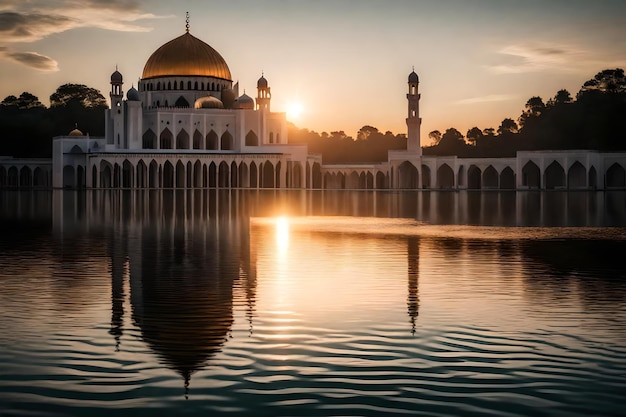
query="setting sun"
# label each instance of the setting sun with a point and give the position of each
(294, 110)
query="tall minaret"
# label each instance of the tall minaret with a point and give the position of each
(117, 110)
(264, 95)
(413, 120)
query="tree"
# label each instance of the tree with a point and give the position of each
(473, 135)
(508, 125)
(68, 94)
(365, 132)
(435, 137)
(534, 108)
(451, 137)
(24, 102)
(606, 81)
(561, 97)
(489, 131)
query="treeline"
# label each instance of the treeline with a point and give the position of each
(337, 147)
(595, 119)
(27, 126)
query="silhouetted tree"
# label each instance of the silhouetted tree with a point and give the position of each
(87, 97)
(435, 137)
(474, 135)
(25, 101)
(507, 126)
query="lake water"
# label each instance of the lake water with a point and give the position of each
(290, 303)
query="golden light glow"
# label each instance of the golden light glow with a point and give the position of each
(282, 234)
(294, 111)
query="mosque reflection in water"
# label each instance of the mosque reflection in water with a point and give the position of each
(186, 259)
(181, 261)
(182, 256)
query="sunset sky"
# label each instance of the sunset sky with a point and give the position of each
(345, 62)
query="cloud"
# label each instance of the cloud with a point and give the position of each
(487, 99)
(27, 21)
(30, 59)
(44, 18)
(536, 58)
(19, 27)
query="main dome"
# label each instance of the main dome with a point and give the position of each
(186, 56)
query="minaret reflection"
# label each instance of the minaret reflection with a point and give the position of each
(413, 299)
(182, 264)
(117, 297)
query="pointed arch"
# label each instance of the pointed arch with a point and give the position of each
(153, 179)
(198, 140)
(615, 176)
(234, 180)
(197, 174)
(267, 175)
(180, 174)
(226, 142)
(26, 176)
(531, 175)
(39, 178)
(408, 176)
(127, 174)
(142, 174)
(168, 175)
(254, 182)
(223, 175)
(445, 177)
(296, 180)
(213, 175)
(507, 179)
(212, 142)
(577, 176)
(381, 181)
(244, 178)
(106, 175)
(182, 140)
(149, 140)
(490, 177)
(166, 138)
(317, 176)
(76, 149)
(554, 176)
(252, 139)
(474, 178)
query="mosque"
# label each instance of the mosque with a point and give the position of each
(187, 126)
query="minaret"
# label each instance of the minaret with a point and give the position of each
(264, 95)
(413, 120)
(117, 110)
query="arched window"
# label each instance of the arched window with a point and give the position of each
(252, 139)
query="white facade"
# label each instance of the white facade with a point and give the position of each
(186, 126)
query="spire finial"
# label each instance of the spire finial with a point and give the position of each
(187, 22)
(413, 68)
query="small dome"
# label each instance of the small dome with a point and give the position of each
(76, 132)
(245, 102)
(262, 83)
(413, 78)
(208, 102)
(116, 77)
(133, 94)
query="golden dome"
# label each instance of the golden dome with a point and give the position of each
(76, 132)
(186, 56)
